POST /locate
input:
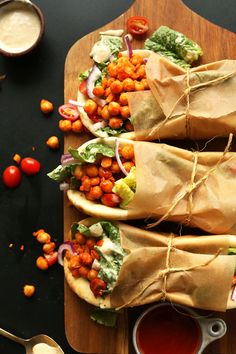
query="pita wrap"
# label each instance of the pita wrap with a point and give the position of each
(189, 270)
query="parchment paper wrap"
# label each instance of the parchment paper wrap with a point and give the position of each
(196, 103)
(160, 267)
(196, 188)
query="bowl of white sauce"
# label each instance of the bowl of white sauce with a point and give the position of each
(21, 27)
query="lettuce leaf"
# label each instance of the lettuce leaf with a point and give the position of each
(61, 173)
(112, 132)
(105, 317)
(89, 154)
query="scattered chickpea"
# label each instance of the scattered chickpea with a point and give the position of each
(29, 290)
(65, 125)
(77, 126)
(53, 142)
(43, 237)
(49, 247)
(42, 263)
(46, 106)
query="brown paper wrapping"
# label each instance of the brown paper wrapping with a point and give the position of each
(187, 187)
(162, 267)
(197, 103)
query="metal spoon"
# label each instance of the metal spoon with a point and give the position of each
(31, 342)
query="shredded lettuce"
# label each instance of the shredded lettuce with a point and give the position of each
(84, 75)
(61, 173)
(232, 250)
(112, 132)
(89, 154)
(106, 317)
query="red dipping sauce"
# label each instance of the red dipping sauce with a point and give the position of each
(165, 330)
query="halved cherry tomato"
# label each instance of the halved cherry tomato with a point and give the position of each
(68, 111)
(111, 200)
(30, 166)
(137, 25)
(51, 258)
(83, 87)
(11, 176)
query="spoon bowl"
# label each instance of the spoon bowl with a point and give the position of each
(31, 342)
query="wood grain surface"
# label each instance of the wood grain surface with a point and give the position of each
(84, 335)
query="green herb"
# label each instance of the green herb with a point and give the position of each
(84, 75)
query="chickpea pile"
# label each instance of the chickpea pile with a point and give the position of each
(80, 264)
(125, 75)
(97, 179)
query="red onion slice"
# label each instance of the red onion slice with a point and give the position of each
(93, 76)
(128, 45)
(64, 186)
(66, 159)
(66, 246)
(118, 158)
(76, 103)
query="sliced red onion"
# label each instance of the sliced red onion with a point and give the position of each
(66, 159)
(66, 246)
(100, 125)
(128, 45)
(233, 294)
(118, 158)
(145, 60)
(64, 186)
(93, 76)
(76, 103)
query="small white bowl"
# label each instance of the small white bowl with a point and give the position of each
(21, 27)
(210, 328)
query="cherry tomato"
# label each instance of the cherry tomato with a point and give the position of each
(11, 176)
(83, 87)
(68, 111)
(30, 166)
(111, 200)
(137, 25)
(51, 258)
(97, 286)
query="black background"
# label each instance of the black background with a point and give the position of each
(37, 203)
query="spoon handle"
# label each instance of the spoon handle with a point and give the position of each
(12, 337)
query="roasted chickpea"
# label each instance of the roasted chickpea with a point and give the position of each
(78, 172)
(53, 142)
(43, 237)
(74, 262)
(127, 151)
(80, 238)
(42, 263)
(110, 98)
(92, 274)
(115, 167)
(105, 113)
(115, 123)
(85, 259)
(124, 111)
(145, 84)
(95, 254)
(123, 99)
(83, 271)
(85, 185)
(141, 72)
(110, 81)
(65, 125)
(128, 84)
(49, 247)
(29, 290)
(90, 243)
(106, 185)
(138, 86)
(98, 91)
(77, 126)
(104, 83)
(129, 126)
(105, 173)
(136, 59)
(116, 86)
(91, 170)
(90, 106)
(106, 162)
(114, 108)
(112, 69)
(94, 181)
(128, 165)
(46, 106)
(96, 192)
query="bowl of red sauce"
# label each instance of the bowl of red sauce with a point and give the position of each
(175, 329)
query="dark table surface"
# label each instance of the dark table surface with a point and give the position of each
(37, 202)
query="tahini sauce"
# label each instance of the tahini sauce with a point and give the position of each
(43, 348)
(19, 27)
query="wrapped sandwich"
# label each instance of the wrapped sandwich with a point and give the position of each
(197, 102)
(103, 96)
(122, 179)
(102, 266)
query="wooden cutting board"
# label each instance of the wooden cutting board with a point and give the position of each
(84, 335)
